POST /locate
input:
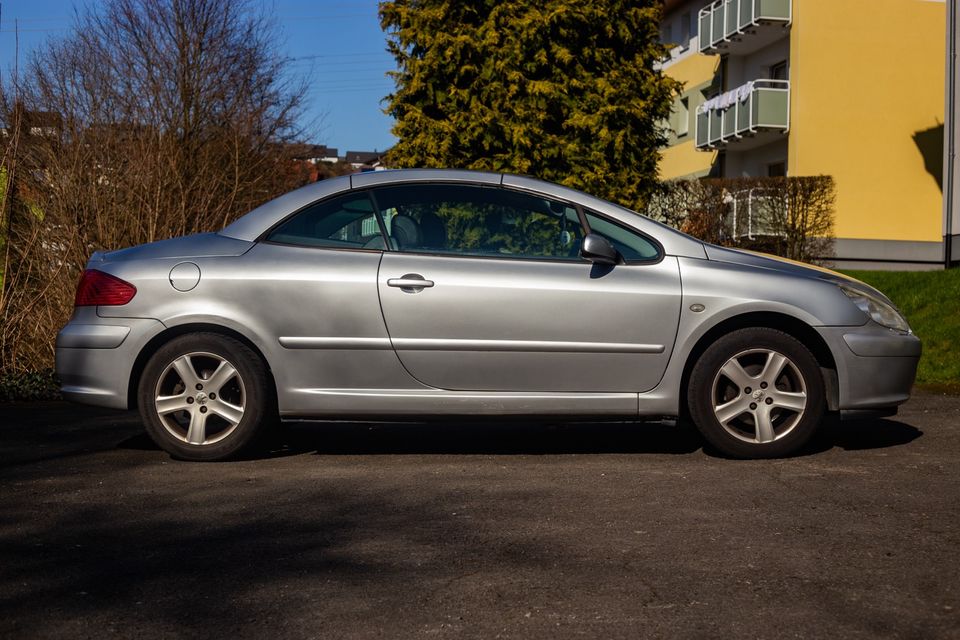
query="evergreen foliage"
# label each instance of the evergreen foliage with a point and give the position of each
(564, 90)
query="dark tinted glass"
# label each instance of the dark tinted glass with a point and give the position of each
(631, 245)
(478, 221)
(346, 222)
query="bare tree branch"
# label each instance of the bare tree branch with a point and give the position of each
(151, 119)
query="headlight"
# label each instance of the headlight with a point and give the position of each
(877, 310)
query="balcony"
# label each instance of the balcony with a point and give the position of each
(740, 27)
(748, 116)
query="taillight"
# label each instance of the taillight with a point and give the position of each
(99, 288)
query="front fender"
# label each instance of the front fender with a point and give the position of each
(726, 291)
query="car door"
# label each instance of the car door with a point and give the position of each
(310, 288)
(484, 289)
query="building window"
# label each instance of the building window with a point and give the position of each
(666, 34)
(683, 117)
(719, 168)
(685, 30)
(777, 170)
(779, 71)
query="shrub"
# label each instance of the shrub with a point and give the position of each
(148, 119)
(791, 217)
(35, 385)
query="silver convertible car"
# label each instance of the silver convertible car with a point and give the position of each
(425, 293)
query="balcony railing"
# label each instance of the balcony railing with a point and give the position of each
(742, 26)
(757, 107)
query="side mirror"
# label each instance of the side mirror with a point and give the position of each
(598, 250)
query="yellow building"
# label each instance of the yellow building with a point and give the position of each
(853, 89)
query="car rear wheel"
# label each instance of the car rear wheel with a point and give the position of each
(757, 393)
(205, 397)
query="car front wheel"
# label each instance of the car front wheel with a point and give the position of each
(205, 397)
(757, 393)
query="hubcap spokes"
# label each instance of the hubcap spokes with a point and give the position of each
(200, 398)
(759, 395)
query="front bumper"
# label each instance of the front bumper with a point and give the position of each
(876, 366)
(95, 356)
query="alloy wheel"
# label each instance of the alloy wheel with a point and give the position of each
(759, 395)
(200, 398)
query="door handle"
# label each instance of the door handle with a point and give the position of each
(410, 282)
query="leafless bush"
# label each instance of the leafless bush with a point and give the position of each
(693, 206)
(791, 217)
(799, 212)
(152, 119)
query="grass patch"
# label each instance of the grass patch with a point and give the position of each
(931, 302)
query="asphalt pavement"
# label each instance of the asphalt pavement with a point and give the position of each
(504, 530)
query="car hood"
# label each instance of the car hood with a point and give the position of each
(198, 245)
(784, 265)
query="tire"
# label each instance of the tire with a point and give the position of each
(206, 397)
(757, 393)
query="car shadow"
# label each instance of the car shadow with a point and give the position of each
(853, 435)
(526, 438)
(522, 438)
(464, 438)
(35, 432)
(484, 438)
(858, 435)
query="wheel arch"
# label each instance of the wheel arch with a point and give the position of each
(176, 331)
(790, 325)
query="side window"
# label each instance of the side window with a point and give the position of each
(631, 245)
(478, 221)
(683, 117)
(779, 71)
(345, 222)
(685, 30)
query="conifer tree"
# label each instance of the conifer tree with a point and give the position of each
(564, 90)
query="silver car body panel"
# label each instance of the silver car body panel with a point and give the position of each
(493, 336)
(882, 379)
(93, 373)
(252, 297)
(377, 178)
(198, 245)
(77, 335)
(527, 325)
(371, 403)
(784, 265)
(728, 290)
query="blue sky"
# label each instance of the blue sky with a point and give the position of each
(338, 42)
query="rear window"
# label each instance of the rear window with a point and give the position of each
(345, 222)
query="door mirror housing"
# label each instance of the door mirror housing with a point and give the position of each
(598, 250)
